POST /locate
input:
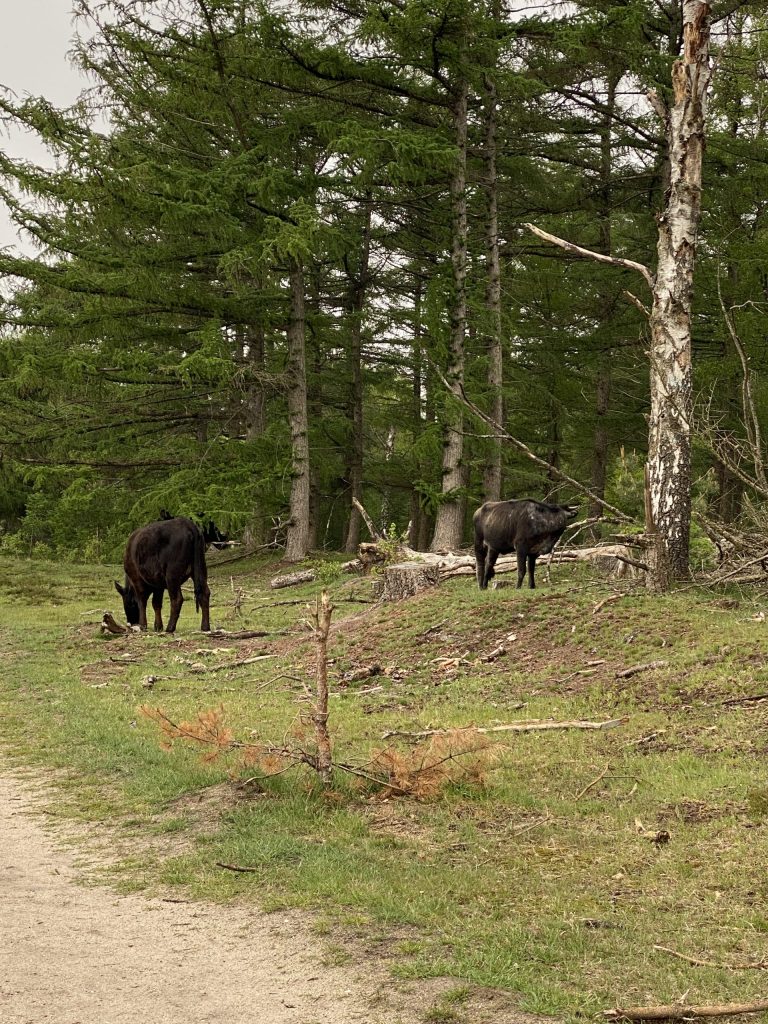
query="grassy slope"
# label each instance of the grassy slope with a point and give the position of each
(529, 884)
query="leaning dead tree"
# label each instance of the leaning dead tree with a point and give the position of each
(668, 514)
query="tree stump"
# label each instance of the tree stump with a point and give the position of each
(408, 578)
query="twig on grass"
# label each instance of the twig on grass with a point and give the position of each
(756, 965)
(749, 698)
(534, 725)
(607, 600)
(205, 669)
(234, 867)
(646, 667)
(593, 783)
(534, 824)
(680, 1011)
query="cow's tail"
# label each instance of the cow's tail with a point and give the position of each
(199, 568)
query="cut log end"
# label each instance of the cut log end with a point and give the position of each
(406, 579)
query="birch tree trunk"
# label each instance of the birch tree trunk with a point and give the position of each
(669, 438)
(297, 541)
(449, 525)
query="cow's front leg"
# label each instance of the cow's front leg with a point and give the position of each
(157, 604)
(142, 595)
(531, 567)
(177, 600)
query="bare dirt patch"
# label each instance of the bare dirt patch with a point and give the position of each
(75, 953)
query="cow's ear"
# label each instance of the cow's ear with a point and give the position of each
(119, 589)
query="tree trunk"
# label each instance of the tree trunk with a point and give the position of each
(492, 471)
(297, 543)
(255, 399)
(600, 437)
(358, 283)
(449, 525)
(604, 375)
(669, 440)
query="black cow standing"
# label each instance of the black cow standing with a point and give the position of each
(159, 557)
(531, 528)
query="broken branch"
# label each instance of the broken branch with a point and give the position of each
(535, 725)
(627, 672)
(589, 254)
(680, 1011)
(757, 965)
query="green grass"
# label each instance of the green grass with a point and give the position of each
(538, 883)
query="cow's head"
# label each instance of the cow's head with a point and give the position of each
(130, 604)
(570, 511)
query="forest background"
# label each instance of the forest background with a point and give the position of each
(258, 290)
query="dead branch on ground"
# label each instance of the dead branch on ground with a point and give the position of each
(110, 625)
(646, 667)
(754, 965)
(681, 1011)
(533, 725)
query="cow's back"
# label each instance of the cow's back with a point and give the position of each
(161, 550)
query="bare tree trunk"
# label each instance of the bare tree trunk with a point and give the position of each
(449, 525)
(492, 471)
(321, 622)
(604, 375)
(358, 282)
(297, 542)
(600, 437)
(418, 516)
(669, 440)
(255, 399)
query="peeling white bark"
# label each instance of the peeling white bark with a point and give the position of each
(669, 439)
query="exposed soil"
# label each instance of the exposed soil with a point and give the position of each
(76, 954)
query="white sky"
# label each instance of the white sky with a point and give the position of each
(35, 38)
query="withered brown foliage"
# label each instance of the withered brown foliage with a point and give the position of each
(426, 770)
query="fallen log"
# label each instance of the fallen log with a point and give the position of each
(293, 579)
(615, 559)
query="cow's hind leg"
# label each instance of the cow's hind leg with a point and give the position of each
(522, 557)
(177, 600)
(531, 567)
(204, 601)
(490, 562)
(157, 604)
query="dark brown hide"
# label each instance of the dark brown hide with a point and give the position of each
(158, 557)
(530, 528)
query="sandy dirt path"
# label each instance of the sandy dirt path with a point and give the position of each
(71, 954)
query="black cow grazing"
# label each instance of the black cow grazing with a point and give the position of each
(211, 533)
(528, 527)
(162, 556)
